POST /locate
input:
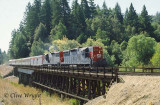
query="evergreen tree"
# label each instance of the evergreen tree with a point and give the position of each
(11, 44)
(117, 30)
(56, 12)
(20, 49)
(61, 12)
(1, 57)
(78, 20)
(58, 32)
(40, 33)
(85, 9)
(132, 18)
(46, 15)
(145, 22)
(125, 17)
(32, 19)
(105, 9)
(37, 48)
(100, 34)
(92, 8)
(156, 18)
(118, 13)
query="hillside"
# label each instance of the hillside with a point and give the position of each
(136, 90)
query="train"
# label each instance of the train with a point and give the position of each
(81, 56)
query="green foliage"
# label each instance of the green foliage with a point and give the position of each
(64, 44)
(139, 51)
(1, 57)
(19, 48)
(81, 38)
(100, 34)
(58, 32)
(74, 102)
(156, 57)
(89, 24)
(123, 45)
(115, 52)
(85, 9)
(145, 22)
(78, 21)
(156, 27)
(46, 15)
(37, 48)
(104, 9)
(40, 33)
(92, 8)
(132, 18)
(118, 13)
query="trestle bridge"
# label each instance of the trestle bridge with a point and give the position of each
(82, 83)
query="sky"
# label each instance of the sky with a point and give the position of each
(12, 11)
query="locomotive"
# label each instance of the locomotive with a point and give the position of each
(81, 56)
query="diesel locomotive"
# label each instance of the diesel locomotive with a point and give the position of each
(81, 56)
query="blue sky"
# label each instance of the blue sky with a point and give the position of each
(11, 13)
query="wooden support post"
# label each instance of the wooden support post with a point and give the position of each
(94, 86)
(78, 90)
(70, 85)
(103, 88)
(98, 88)
(74, 86)
(83, 87)
(67, 85)
(89, 89)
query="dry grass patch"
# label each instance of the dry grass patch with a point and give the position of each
(14, 94)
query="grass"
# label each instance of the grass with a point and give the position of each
(138, 70)
(44, 99)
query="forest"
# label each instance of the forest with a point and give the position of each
(128, 39)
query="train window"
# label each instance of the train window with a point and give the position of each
(74, 51)
(86, 52)
(57, 54)
(47, 58)
(67, 53)
(52, 54)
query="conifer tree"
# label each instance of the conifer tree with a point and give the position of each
(46, 15)
(85, 9)
(145, 22)
(92, 7)
(40, 33)
(78, 21)
(132, 18)
(118, 13)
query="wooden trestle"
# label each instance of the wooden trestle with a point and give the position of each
(83, 83)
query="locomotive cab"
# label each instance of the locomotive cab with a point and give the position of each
(96, 55)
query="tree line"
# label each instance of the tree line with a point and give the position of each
(128, 39)
(3, 57)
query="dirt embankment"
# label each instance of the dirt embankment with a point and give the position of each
(136, 90)
(5, 70)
